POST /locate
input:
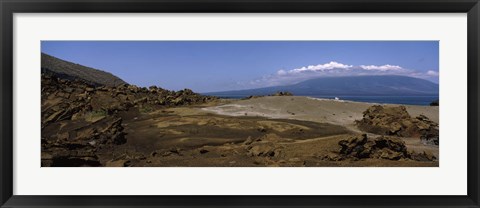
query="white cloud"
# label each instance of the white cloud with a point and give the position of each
(432, 73)
(333, 69)
(386, 67)
(281, 72)
(320, 67)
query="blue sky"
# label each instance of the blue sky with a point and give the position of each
(207, 66)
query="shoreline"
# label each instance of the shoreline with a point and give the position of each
(339, 112)
(353, 101)
(347, 99)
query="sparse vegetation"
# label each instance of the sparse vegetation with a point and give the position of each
(95, 115)
(279, 93)
(145, 109)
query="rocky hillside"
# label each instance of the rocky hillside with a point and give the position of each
(79, 118)
(71, 71)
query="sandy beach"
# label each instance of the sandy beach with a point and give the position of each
(340, 112)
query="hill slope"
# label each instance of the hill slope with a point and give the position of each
(68, 70)
(351, 86)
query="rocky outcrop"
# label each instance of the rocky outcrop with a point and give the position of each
(78, 118)
(76, 143)
(381, 147)
(264, 146)
(428, 129)
(282, 93)
(395, 121)
(65, 99)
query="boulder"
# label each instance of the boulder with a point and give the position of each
(264, 146)
(396, 121)
(381, 147)
(282, 93)
(265, 150)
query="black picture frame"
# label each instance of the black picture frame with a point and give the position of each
(10, 7)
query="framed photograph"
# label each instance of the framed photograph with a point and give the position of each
(266, 103)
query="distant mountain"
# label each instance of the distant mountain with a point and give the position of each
(68, 70)
(347, 86)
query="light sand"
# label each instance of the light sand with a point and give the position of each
(338, 112)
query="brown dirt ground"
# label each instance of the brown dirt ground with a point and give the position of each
(212, 135)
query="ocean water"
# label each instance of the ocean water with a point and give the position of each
(404, 100)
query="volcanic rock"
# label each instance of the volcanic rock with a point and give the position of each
(77, 142)
(117, 163)
(265, 146)
(381, 147)
(395, 121)
(87, 115)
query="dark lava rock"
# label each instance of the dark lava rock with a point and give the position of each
(280, 93)
(395, 121)
(424, 156)
(264, 146)
(78, 118)
(62, 98)
(381, 147)
(76, 143)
